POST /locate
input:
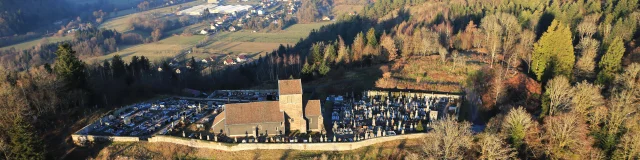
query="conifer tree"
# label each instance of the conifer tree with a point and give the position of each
(24, 143)
(371, 37)
(554, 51)
(69, 68)
(611, 62)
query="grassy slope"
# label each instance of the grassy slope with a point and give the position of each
(168, 47)
(32, 43)
(253, 44)
(144, 150)
(117, 3)
(120, 24)
(344, 9)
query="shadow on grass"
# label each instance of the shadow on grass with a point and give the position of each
(286, 154)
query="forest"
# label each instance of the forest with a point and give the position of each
(559, 79)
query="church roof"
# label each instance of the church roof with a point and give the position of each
(254, 112)
(312, 108)
(293, 86)
(218, 118)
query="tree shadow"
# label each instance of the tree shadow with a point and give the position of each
(286, 154)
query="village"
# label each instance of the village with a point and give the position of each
(267, 116)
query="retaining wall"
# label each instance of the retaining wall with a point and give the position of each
(329, 146)
(79, 139)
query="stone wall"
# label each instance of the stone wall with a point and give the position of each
(81, 139)
(292, 106)
(330, 146)
(411, 94)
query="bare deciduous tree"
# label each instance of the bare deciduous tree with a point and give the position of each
(390, 46)
(516, 125)
(586, 64)
(629, 146)
(493, 35)
(588, 26)
(566, 137)
(449, 140)
(559, 91)
(491, 147)
(586, 96)
(527, 38)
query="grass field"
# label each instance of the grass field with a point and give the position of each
(117, 3)
(342, 9)
(32, 43)
(165, 48)
(291, 34)
(121, 24)
(143, 150)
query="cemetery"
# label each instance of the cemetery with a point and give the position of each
(274, 116)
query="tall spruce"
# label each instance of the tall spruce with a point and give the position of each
(372, 40)
(553, 53)
(611, 62)
(25, 144)
(69, 68)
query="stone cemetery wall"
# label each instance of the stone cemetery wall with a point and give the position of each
(329, 146)
(81, 139)
(412, 94)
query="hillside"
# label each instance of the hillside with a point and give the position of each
(388, 150)
(541, 79)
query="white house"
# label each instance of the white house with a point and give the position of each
(204, 31)
(241, 58)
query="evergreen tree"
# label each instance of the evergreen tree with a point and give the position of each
(554, 51)
(117, 66)
(323, 69)
(329, 53)
(69, 68)
(371, 37)
(419, 127)
(316, 53)
(611, 62)
(24, 142)
(307, 69)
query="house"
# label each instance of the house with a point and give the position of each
(204, 32)
(241, 58)
(229, 62)
(204, 60)
(326, 18)
(287, 114)
(212, 27)
(260, 12)
(232, 29)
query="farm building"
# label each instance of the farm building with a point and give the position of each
(214, 8)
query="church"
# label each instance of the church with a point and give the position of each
(270, 118)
